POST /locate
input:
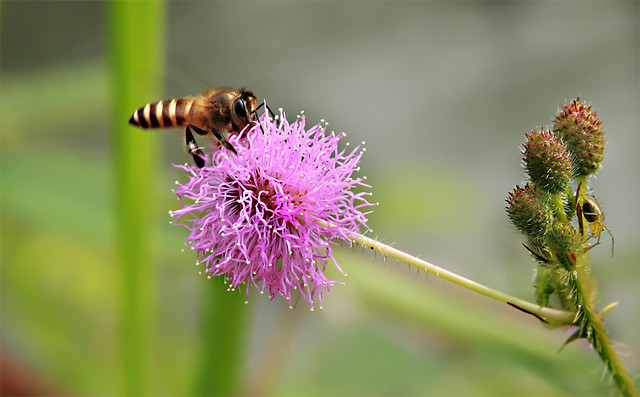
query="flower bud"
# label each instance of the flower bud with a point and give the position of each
(564, 235)
(547, 161)
(578, 126)
(529, 212)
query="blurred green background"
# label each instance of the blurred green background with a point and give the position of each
(442, 93)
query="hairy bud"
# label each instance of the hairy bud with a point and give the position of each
(578, 126)
(564, 235)
(529, 212)
(547, 161)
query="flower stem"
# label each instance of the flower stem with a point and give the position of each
(586, 318)
(136, 52)
(222, 334)
(592, 328)
(543, 313)
(557, 205)
(602, 344)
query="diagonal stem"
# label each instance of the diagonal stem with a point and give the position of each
(543, 313)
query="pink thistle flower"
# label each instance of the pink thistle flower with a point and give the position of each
(269, 215)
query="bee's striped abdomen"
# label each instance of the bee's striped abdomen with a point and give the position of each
(163, 114)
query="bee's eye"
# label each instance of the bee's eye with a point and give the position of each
(240, 109)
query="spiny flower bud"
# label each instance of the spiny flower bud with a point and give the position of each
(547, 161)
(564, 235)
(580, 129)
(529, 212)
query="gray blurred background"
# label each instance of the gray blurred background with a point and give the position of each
(442, 93)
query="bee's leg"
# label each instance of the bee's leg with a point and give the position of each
(192, 147)
(218, 135)
(197, 130)
(223, 141)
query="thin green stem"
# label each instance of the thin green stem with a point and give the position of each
(581, 192)
(582, 182)
(557, 204)
(137, 59)
(602, 344)
(222, 334)
(547, 314)
(592, 328)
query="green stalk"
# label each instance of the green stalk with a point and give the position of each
(587, 319)
(592, 328)
(222, 335)
(545, 313)
(557, 205)
(136, 32)
(579, 295)
(603, 346)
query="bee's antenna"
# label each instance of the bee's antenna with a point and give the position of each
(255, 112)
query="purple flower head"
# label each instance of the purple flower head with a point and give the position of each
(269, 215)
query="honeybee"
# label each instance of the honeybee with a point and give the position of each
(590, 209)
(213, 113)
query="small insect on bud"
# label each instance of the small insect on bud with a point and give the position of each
(529, 212)
(547, 161)
(578, 126)
(595, 219)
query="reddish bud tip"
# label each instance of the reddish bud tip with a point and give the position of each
(578, 126)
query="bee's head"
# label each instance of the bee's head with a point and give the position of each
(244, 109)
